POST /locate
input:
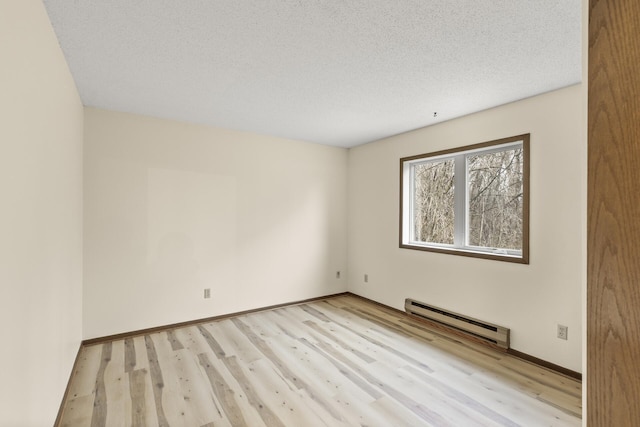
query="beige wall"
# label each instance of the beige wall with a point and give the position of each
(529, 299)
(40, 217)
(173, 208)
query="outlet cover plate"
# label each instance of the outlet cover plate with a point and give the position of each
(563, 332)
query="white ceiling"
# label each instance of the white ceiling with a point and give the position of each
(337, 72)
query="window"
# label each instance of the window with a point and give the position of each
(471, 201)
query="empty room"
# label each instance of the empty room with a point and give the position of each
(284, 213)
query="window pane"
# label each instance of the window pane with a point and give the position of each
(433, 202)
(495, 199)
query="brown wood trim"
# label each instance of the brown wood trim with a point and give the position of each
(379, 304)
(485, 144)
(526, 183)
(66, 390)
(401, 207)
(434, 325)
(524, 259)
(551, 366)
(163, 328)
(518, 260)
(524, 356)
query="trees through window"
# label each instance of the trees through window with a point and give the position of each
(470, 201)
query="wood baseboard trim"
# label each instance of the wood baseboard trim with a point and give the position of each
(147, 331)
(524, 356)
(551, 366)
(434, 325)
(66, 390)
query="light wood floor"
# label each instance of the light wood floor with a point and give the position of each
(338, 362)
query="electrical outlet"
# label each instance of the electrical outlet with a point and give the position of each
(337, 274)
(366, 278)
(563, 332)
(207, 292)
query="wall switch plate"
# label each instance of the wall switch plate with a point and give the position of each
(207, 292)
(366, 278)
(563, 332)
(337, 274)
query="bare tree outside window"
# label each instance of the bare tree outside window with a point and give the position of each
(433, 202)
(495, 199)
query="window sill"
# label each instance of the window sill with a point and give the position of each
(497, 256)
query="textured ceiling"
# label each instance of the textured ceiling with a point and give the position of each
(338, 72)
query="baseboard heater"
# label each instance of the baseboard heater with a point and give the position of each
(495, 334)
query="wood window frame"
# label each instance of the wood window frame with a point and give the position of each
(523, 258)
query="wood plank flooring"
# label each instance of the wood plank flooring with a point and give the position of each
(342, 361)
